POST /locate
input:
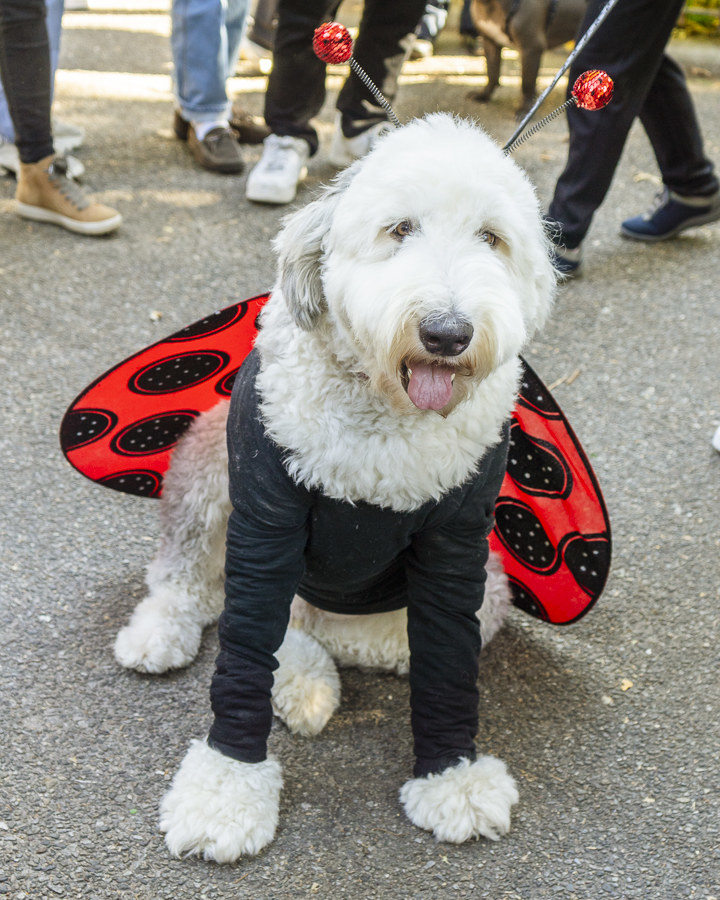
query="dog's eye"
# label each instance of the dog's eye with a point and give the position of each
(402, 229)
(487, 237)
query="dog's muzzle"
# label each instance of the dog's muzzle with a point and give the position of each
(429, 382)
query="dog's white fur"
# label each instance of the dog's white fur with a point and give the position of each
(337, 336)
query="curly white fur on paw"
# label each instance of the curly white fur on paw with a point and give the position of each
(220, 808)
(306, 691)
(463, 802)
(156, 639)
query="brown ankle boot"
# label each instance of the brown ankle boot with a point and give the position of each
(45, 194)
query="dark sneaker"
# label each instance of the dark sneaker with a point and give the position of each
(671, 215)
(248, 128)
(567, 263)
(218, 151)
(180, 126)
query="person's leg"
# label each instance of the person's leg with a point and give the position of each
(385, 36)
(629, 45)
(44, 193)
(25, 72)
(296, 85)
(668, 117)
(205, 36)
(691, 196)
(54, 12)
(205, 40)
(235, 21)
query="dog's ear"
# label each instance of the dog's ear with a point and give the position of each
(300, 248)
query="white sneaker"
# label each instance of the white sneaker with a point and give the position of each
(716, 440)
(10, 160)
(281, 168)
(66, 136)
(344, 151)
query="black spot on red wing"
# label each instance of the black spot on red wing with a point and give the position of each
(141, 482)
(537, 466)
(217, 321)
(588, 558)
(176, 373)
(520, 530)
(83, 426)
(225, 385)
(153, 434)
(525, 599)
(535, 396)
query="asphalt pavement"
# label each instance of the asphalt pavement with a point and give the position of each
(611, 725)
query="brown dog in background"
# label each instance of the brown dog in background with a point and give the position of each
(530, 26)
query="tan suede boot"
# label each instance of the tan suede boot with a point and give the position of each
(45, 194)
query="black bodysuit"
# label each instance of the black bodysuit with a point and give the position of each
(284, 539)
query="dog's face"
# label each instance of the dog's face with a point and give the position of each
(426, 263)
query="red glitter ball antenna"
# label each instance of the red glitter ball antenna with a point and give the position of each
(332, 44)
(593, 89)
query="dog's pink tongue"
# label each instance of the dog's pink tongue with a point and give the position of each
(430, 387)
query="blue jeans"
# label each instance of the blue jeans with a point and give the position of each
(205, 42)
(53, 17)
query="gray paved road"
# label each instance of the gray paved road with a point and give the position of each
(611, 725)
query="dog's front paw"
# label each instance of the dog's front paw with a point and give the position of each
(463, 802)
(306, 691)
(219, 808)
(158, 638)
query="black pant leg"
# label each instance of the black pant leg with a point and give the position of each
(630, 46)
(25, 72)
(384, 38)
(669, 119)
(296, 86)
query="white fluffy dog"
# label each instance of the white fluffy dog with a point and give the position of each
(367, 436)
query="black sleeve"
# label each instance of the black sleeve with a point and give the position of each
(446, 583)
(266, 538)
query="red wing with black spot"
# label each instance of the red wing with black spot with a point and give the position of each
(121, 430)
(551, 524)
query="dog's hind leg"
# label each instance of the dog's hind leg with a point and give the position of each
(185, 579)
(377, 641)
(306, 689)
(497, 602)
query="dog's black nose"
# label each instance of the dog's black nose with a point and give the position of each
(445, 335)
